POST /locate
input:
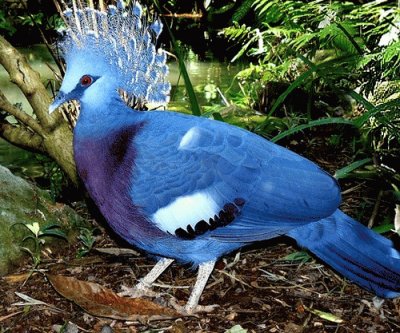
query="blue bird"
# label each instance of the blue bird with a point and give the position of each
(188, 188)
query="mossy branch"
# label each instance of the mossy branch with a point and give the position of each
(47, 134)
(21, 116)
(22, 137)
(28, 80)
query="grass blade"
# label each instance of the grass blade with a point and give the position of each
(296, 83)
(381, 229)
(344, 172)
(318, 122)
(188, 84)
(372, 109)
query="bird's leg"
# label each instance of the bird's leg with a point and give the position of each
(192, 306)
(143, 288)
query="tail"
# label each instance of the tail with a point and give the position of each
(358, 253)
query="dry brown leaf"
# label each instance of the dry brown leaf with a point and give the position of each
(116, 251)
(178, 327)
(16, 278)
(103, 302)
(293, 328)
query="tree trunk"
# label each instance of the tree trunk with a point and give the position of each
(46, 134)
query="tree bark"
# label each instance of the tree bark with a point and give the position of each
(46, 134)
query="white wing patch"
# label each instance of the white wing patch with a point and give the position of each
(185, 210)
(190, 138)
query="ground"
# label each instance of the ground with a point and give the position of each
(255, 288)
(257, 292)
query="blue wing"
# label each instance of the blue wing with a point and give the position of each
(190, 170)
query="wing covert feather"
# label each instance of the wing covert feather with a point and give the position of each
(207, 164)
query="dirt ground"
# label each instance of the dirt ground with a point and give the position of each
(255, 289)
(257, 292)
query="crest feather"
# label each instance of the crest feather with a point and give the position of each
(122, 38)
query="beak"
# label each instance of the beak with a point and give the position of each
(61, 98)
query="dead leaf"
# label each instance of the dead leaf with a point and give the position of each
(116, 251)
(236, 329)
(231, 316)
(397, 219)
(29, 301)
(178, 327)
(293, 328)
(103, 302)
(300, 308)
(16, 278)
(325, 315)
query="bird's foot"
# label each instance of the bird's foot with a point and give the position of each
(138, 291)
(188, 310)
(143, 288)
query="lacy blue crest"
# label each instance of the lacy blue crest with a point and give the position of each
(121, 39)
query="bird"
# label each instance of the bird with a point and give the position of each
(192, 189)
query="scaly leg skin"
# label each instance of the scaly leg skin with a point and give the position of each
(192, 306)
(143, 288)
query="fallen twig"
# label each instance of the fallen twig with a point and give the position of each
(31, 301)
(10, 315)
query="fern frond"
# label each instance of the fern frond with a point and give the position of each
(242, 11)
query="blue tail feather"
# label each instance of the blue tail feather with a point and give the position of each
(358, 253)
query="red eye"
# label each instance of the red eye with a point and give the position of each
(86, 80)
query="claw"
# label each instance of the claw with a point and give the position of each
(192, 310)
(138, 291)
(143, 288)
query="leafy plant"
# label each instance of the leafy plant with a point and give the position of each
(87, 238)
(6, 24)
(298, 256)
(346, 38)
(37, 235)
(57, 179)
(17, 15)
(32, 20)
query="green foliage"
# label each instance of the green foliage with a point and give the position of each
(16, 16)
(350, 39)
(6, 24)
(182, 67)
(37, 235)
(313, 123)
(32, 20)
(53, 177)
(344, 172)
(391, 59)
(381, 229)
(321, 45)
(242, 11)
(87, 238)
(299, 256)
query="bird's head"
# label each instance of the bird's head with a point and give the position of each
(88, 79)
(110, 50)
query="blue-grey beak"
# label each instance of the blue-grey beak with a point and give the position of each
(60, 99)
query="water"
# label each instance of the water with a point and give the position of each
(206, 77)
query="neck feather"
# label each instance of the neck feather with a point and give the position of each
(106, 164)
